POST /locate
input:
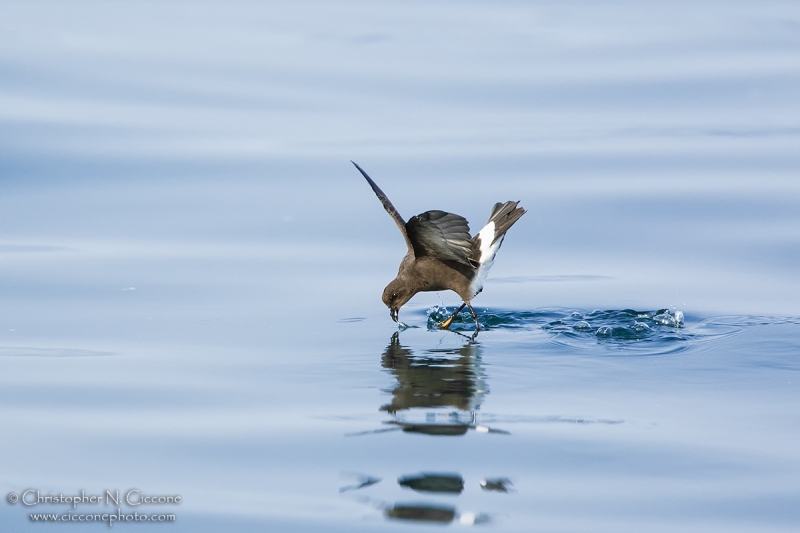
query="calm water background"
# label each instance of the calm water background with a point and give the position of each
(190, 268)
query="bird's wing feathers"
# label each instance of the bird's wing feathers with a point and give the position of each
(444, 236)
(401, 224)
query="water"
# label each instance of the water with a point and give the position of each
(191, 269)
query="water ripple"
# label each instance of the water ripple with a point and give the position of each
(29, 351)
(659, 331)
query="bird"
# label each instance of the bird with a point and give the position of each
(442, 255)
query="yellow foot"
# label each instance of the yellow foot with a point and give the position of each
(446, 323)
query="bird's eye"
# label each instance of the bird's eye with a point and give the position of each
(394, 296)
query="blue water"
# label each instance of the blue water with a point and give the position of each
(191, 268)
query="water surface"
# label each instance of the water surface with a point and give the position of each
(191, 269)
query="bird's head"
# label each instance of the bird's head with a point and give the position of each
(395, 295)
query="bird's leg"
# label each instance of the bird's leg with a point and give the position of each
(474, 317)
(446, 323)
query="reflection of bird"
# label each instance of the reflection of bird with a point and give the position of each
(499, 484)
(363, 481)
(441, 483)
(426, 384)
(447, 378)
(422, 512)
(442, 255)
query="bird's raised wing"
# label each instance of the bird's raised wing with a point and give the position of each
(444, 236)
(401, 224)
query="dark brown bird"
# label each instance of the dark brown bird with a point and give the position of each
(442, 255)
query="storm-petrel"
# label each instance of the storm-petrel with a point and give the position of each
(442, 255)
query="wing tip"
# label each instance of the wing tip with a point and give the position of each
(377, 190)
(361, 170)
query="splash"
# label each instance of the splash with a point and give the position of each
(624, 326)
(620, 328)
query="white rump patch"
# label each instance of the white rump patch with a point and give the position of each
(487, 236)
(486, 259)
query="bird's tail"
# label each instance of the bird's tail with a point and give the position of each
(488, 240)
(504, 215)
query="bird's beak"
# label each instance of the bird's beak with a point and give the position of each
(393, 312)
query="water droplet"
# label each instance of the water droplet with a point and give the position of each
(665, 319)
(604, 331)
(582, 326)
